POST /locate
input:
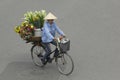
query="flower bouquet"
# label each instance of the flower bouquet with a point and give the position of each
(25, 30)
(32, 21)
(35, 18)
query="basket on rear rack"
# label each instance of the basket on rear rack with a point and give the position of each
(34, 39)
(65, 45)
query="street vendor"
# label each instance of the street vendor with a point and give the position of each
(48, 35)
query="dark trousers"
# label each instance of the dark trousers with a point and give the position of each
(48, 49)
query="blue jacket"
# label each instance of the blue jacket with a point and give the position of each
(49, 31)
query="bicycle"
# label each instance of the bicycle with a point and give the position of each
(63, 59)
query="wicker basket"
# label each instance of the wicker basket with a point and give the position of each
(65, 46)
(34, 39)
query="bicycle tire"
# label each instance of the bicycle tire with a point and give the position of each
(39, 62)
(58, 65)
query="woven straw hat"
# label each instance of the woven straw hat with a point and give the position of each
(50, 16)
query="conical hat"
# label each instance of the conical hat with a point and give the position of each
(50, 16)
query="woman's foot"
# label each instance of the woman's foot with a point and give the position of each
(49, 60)
(43, 61)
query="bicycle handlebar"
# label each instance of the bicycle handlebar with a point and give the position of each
(59, 41)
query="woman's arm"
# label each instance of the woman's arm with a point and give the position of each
(59, 31)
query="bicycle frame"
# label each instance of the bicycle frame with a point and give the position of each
(39, 43)
(57, 47)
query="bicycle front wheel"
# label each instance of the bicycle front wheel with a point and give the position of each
(65, 64)
(37, 53)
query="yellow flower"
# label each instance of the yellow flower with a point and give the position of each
(32, 26)
(17, 29)
(26, 24)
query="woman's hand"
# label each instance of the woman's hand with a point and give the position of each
(61, 37)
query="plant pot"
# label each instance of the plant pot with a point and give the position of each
(37, 32)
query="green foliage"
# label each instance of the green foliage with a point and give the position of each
(35, 18)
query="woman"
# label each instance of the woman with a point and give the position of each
(48, 35)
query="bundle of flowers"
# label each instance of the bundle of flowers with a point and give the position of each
(25, 30)
(35, 18)
(32, 21)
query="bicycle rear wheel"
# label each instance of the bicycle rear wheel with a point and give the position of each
(36, 53)
(65, 64)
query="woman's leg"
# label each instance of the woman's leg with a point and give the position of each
(47, 50)
(56, 51)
